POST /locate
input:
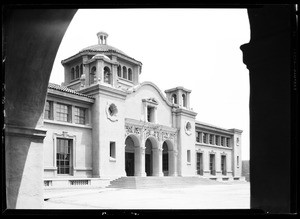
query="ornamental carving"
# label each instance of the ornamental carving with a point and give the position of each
(129, 129)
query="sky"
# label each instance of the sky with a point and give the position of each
(198, 49)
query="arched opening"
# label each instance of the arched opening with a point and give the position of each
(148, 158)
(119, 71)
(107, 75)
(165, 157)
(174, 98)
(183, 100)
(92, 75)
(124, 72)
(130, 143)
(129, 74)
(77, 72)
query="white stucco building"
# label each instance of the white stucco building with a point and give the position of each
(103, 123)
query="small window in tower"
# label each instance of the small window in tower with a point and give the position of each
(129, 74)
(183, 100)
(77, 71)
(93, 75)
(174, 98)
(107, 75)
(119, 71)
(81, 69)
(124, 72)
(72, 74)
(188, 156)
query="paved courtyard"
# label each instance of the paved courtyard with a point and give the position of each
(226, 196)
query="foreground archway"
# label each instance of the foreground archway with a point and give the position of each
(132, 156)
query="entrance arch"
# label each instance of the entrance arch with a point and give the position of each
(168, 165)
(151, 157)
(131, 143)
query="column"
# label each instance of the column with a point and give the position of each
(24, 167)
(173, 162)
(114, 75)
(139, 161)
(157, 161)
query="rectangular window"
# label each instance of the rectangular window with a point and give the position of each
(112, 149)
(48, 110)
(217, 140)
(63, 156)
(212, 164)
(211, 139)
(222, 141)
(63, 112)
(205, 138)
(189, 156)
(223, 164)
(237, 161)
(198, 136)
(227, 142)
(80, 115)
(150, 114)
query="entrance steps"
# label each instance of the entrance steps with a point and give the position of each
(132, 182)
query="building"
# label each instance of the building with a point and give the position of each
(102, 123)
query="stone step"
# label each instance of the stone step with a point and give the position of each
(159, 182)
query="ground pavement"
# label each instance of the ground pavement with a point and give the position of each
(234, 195)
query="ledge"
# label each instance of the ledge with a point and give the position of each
(213, 146)
(11, 130)
(67, 124)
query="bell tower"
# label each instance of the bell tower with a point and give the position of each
(179, 96)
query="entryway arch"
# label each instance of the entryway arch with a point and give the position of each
(151, 156)
(168, 165)
(131, 145)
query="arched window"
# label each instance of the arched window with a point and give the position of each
(107, 75)
(72, 74)
(119, 71)
(124, 72)
(174, 98)
(81, 69)
(129, 74)
(77, 71)
(92, 75)
(183, 100)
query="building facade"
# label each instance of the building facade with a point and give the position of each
(102, 123)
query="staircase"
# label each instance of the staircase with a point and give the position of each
(133, 182)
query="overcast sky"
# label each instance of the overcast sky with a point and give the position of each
(198, 49)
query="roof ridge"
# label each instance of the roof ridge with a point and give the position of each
(66, 89)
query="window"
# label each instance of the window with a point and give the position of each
(48, 110)
(93, 75)
(77, 72)
(63, 156)
(237, 161)
(150, 114)
(112, 150)
(124, 72)
(222, 141)
(211, 139)
(227, 142)
(72, 74)
(184, 100)
(107, 75)
(81, 69)
(205, 138)
(80, 115)
(119, 71)
(174, 98)
(237, 141)
(198, 137)
(212, 164)
(129, 74)
(217, 140)
(223, 164)
(189, 156)
(63, 112)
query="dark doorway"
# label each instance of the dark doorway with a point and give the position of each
(199, 164)
(165, 160)
(212, 164)
(223, 164)
(129, 164)
(148, 158)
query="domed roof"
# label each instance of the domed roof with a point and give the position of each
(100, 55)
(102, 48)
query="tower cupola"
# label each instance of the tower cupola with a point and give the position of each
(102, 38)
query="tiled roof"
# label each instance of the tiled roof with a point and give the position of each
(102, 48)
(67, 90)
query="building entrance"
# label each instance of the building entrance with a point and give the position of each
(148, 158)
(129, 156)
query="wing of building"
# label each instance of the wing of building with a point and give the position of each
(102, 123)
